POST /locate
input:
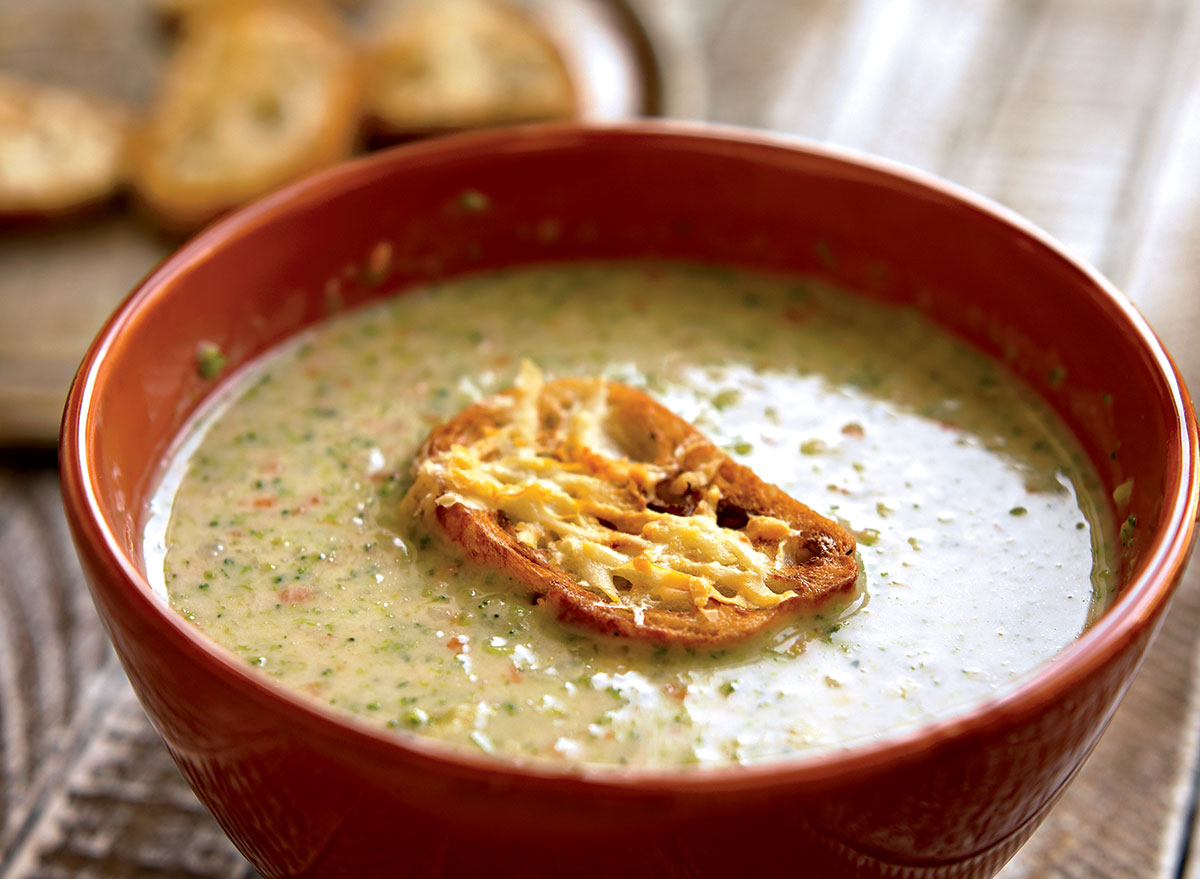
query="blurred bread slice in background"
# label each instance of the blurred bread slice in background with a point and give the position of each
(446, 64)
(257, 93)
(172, 11)
(60, 150)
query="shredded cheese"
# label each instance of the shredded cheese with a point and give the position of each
(571, 494)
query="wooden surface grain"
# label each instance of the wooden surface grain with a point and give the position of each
(1082, 114)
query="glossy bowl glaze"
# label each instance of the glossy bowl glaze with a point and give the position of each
(303, 791)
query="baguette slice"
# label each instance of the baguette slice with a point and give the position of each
(622, 517)
(258, 93)
(60, 150)
(447, 64)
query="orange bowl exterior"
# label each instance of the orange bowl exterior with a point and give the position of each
(303, 791)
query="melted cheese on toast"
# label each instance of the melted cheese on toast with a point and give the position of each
(632, 509)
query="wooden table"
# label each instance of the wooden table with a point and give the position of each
(1081, 114)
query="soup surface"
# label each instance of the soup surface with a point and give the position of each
(983, 537)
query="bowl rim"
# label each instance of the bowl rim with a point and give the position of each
(1045, 684)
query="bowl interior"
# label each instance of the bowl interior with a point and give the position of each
(481, 201)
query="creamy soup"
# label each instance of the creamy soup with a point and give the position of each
(982, 535)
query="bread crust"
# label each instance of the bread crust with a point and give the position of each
(657, 436)
(60, 150)
(173, 12)
(257, 93)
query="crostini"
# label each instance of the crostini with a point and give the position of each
(624, 518)
(445, 64)
(258, 93)
(60, 150)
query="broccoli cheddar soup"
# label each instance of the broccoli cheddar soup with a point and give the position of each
(980, 534)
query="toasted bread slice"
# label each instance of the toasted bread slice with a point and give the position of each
(622, 517)
(446, 64)
(59, 150)
(259, 92)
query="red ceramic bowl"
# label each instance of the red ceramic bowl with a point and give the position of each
(303, 791)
